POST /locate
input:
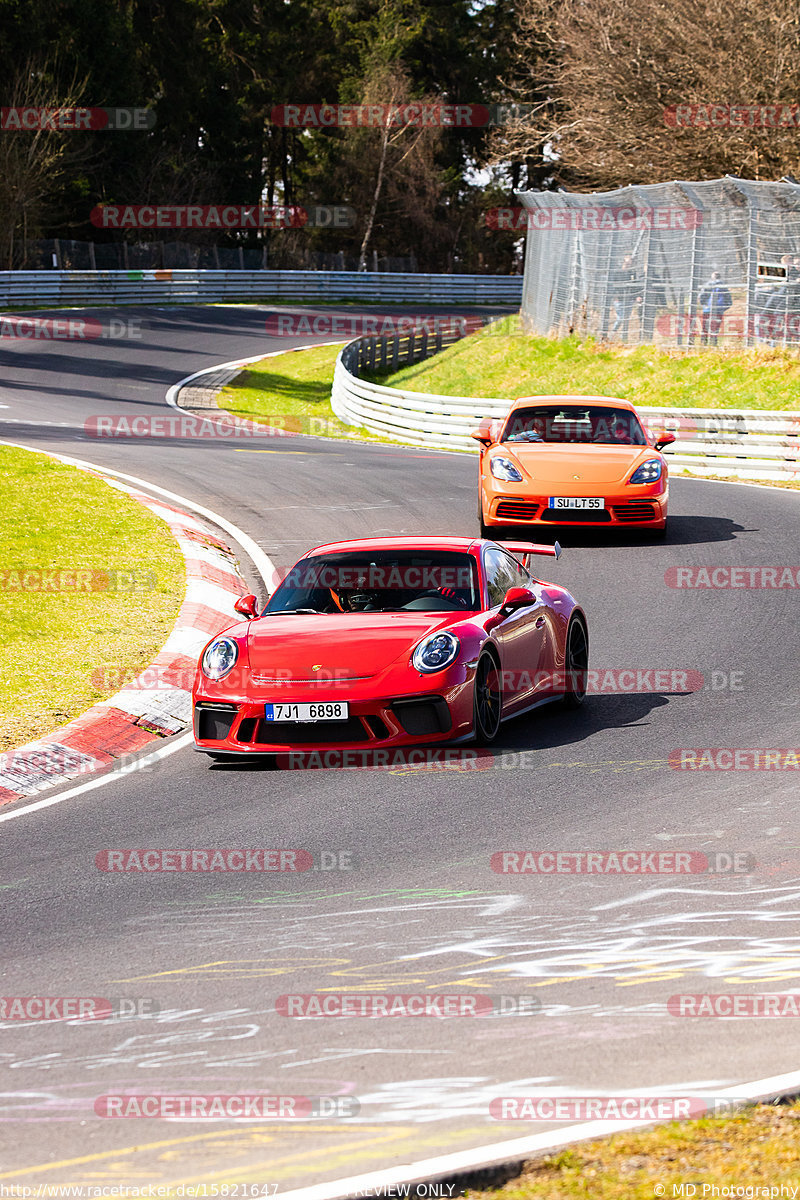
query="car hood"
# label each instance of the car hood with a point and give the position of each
(593, 464)
(340, 646)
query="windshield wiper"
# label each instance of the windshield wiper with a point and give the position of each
(277, 612)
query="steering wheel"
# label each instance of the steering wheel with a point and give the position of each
(448, 593)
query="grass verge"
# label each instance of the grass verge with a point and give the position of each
(501, 362)
(63, 650)
(292, 391)
(756, 1149)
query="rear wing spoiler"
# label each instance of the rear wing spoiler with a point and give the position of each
(524, 551)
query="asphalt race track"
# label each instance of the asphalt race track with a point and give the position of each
(420, 909)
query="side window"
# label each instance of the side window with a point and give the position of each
(521, 576)
(502, 573)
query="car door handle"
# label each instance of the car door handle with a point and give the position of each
(540, 621)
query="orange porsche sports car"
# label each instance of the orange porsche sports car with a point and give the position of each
(571, 460)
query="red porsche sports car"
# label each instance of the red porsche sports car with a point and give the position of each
(398, 641)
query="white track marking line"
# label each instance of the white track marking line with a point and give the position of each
(140, 764)
(172, 393)
(497, 1153)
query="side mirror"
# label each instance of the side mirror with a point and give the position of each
(246, 606)
(518, 597)
(483, 433)
(663, 439)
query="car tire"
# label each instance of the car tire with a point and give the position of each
(484, 528)
(493, 533)
(487, 700)
(576, 662)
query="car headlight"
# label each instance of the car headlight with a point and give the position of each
(503, 468)
(219, 658)
(648, 472)
(435, 652)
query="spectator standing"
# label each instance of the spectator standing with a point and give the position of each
(777, 304)
(714, 300)
(626, 292)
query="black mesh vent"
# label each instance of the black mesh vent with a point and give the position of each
(421, 717)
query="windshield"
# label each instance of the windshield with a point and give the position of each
(592, 425)
(379, 581)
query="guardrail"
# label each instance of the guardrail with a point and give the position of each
(745, 443)
(205, 287)
(425, 337)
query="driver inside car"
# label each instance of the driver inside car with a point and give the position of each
(355, 599)
(620, 433)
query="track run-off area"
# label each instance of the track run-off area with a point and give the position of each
(403, 897)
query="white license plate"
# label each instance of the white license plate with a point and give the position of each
(594, 502)
(336, 710)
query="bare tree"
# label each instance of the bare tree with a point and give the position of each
(36, 163)
(393, 163)
(606, 75)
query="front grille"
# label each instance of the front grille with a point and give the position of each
(247, 729)
(582, 516)
(634, 512)
(377, 727)
(516, 510)
(311, 733)
(421, 717)
(213, 722)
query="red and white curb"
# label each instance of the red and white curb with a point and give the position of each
(141, 712)
(220, 415)
(158, 702)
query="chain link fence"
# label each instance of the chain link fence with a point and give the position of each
(67, 254)
(683, 265)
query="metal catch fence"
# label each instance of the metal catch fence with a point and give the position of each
(683, 265)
